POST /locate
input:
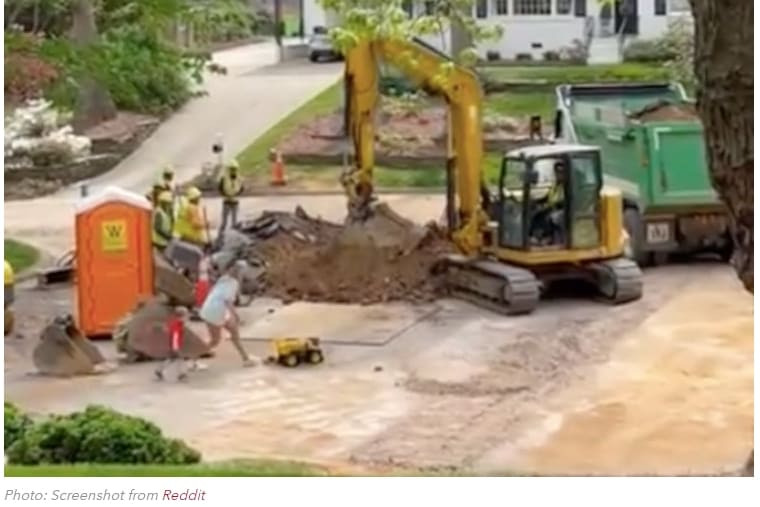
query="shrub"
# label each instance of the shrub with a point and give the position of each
(576, 52)
(646, 51)
(551, 56)
(98, 435)
(493, 56)
(521, 57)
(16, 423)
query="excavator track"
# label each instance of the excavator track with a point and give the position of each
(492, 285)
(618, 280)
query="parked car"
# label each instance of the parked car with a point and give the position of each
(320, 46)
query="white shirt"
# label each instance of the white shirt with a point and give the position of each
(223, 293)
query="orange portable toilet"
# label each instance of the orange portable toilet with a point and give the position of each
(114, 265)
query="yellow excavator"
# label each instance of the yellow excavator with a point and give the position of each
(550, 218)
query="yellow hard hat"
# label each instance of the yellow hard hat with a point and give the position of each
(168, 171)
(233, 164)
(193, 193)
(165, 197)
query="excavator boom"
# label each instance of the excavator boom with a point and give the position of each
(436, 74)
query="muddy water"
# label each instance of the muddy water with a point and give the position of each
(675, 398)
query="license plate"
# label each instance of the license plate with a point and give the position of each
(658, 232)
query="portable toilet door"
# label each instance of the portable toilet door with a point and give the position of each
(114, 264)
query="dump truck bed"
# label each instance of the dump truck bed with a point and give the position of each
(653, 150)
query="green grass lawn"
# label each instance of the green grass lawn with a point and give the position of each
(255, 156)
(254, 468)
(20, 255)
(623, 72)
(520, 105)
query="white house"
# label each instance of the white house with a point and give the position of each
(537, 26)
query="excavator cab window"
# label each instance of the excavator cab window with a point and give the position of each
(550, 201)
(514, 184)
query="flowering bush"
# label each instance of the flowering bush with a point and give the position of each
(38, 135)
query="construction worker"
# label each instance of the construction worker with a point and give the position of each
(167, 179)
(191, 225)
(155, 190)
(163, 221)
(550, 214)
(231, 187)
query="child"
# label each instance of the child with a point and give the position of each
(218, 310)
(176, 327)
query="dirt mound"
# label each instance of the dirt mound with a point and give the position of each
(666, 111)
(385, 259)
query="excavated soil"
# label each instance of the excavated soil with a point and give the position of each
(383, 259)
(667, 112)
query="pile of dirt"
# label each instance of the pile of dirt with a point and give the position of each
(384, 259)
(666, 111)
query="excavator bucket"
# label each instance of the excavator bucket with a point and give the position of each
(173, 284)
(63, 351)
(384, 229)
(144, 335)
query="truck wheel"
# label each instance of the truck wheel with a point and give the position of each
(632, 224)
(315, 357)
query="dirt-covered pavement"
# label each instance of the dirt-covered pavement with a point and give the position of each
(662, 385)
(576, 387)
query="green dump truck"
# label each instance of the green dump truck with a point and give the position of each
(653, 151)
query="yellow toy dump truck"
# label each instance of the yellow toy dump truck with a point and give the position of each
(293, 351)
(9, 297)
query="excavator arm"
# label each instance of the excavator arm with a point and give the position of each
(434, 73)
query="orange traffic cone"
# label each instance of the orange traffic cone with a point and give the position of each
(278, 168)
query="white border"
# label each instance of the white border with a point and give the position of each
(440, 492)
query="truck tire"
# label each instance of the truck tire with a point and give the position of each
(632, 224)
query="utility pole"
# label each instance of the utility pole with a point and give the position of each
(278, 28)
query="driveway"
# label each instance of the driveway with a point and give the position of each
(241, 105)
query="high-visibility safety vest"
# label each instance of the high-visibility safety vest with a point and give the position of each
(162, 227)
(189, 225)
(556, 194)
(230, 188)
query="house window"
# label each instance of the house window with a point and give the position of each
(660, 7)
(532, 7)
(481, 8)
(429, 7)
(679, 6)
(501, 7)
(564, 6)
(408, 7)
(580, 8)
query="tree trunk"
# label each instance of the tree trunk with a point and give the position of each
(94, 104)
(460, 37)
(723, 67)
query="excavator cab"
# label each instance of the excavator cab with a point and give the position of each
(554, 220)
(551, 199)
